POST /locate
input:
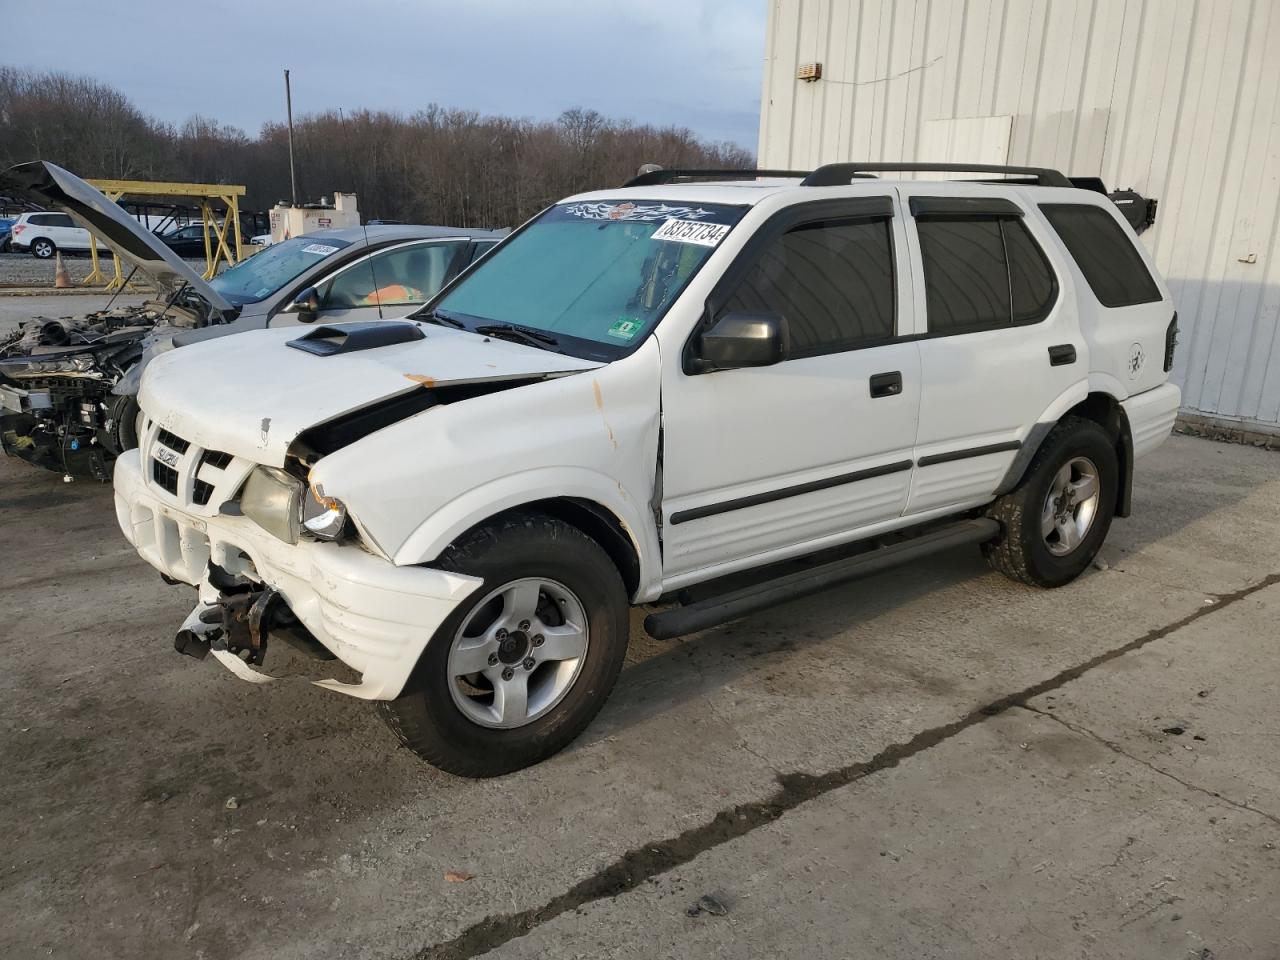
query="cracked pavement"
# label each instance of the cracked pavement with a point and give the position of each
(934, 762)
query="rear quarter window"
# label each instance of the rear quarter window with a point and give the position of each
(1114, 270)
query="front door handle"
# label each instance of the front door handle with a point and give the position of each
(1062, 354)
(886, 384)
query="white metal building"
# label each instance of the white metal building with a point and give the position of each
(1179, 99)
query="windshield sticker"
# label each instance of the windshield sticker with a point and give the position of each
(603, 210)
(261, 292)
(690, 231)
(323, 249)
(624, 328)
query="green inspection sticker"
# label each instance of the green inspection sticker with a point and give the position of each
(624, 328)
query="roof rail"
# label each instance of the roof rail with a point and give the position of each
(840, 174)
(653, 177)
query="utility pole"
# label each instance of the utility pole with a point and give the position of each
(288, 102)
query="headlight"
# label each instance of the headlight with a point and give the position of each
(37, 368)
(322, 516)
(273, 500)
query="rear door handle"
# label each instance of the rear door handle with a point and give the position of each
(1062, 354)
(886, 384)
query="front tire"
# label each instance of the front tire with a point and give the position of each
(525, 663)
(43, 249)
(1055, 520)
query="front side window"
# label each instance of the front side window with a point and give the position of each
(264, 273)
(1111, 266)
(831, 280)
(982, 272)
(403, 276)
(596, 276)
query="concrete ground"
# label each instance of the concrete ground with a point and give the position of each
(933, 763)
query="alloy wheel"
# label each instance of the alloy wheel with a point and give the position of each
(1070, 506)
(518, 653)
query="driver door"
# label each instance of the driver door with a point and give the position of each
(766, 462)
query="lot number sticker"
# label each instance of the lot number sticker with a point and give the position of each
(323, 249)
(691, 231)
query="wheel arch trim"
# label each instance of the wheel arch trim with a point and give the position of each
(1074, 399)
(560, 490)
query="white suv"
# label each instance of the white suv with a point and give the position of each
(642, 390)
(44, 234)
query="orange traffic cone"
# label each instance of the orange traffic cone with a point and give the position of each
(60, 276)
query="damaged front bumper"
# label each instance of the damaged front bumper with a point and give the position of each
(372, 615)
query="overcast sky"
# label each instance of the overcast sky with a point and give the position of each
(693, 63)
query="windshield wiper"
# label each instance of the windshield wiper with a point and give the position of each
(442, 318)
(509, 331)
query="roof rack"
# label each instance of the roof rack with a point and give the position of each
(839, 174)
(653, 177)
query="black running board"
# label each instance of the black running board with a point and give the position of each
(692, 617)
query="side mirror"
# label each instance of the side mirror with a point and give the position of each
(306, 305)
(742, 340)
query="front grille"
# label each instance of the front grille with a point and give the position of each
(173, 442)
(165, 476)
(201, 493)
(216, 458)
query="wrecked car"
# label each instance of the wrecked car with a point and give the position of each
(653, 395)
(68, 385)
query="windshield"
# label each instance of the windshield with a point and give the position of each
(264, 273)
(596, 276)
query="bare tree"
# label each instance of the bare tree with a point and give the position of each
(436, 165)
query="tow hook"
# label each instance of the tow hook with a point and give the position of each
(246, 619)
(238, 623)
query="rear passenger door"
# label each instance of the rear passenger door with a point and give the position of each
(765, 462)
(67, 235)
(1001, 342)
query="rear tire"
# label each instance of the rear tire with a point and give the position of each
(43, 249)
(1055, 520)
(451, 713)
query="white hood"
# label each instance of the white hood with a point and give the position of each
(251, 395)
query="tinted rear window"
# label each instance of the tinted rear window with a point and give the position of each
(982, 272)
(1112, 267)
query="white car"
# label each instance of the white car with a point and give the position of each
(44, 234)
(644, 390)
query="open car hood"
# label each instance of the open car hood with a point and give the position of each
(252, 395)
(91, 209)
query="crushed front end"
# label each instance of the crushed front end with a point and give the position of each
(57, 376)
(235, 530)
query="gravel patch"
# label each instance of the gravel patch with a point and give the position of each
(24, 270)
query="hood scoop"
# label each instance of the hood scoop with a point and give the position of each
(352, 337)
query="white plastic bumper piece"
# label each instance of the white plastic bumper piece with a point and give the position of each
(1151, 415)
(372, 615)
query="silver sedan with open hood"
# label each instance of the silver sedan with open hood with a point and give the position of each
(68, 385)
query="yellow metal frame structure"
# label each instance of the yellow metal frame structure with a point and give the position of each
(216, 238)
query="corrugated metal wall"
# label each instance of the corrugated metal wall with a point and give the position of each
(1179, 99)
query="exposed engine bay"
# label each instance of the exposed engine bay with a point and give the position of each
(58, 408)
